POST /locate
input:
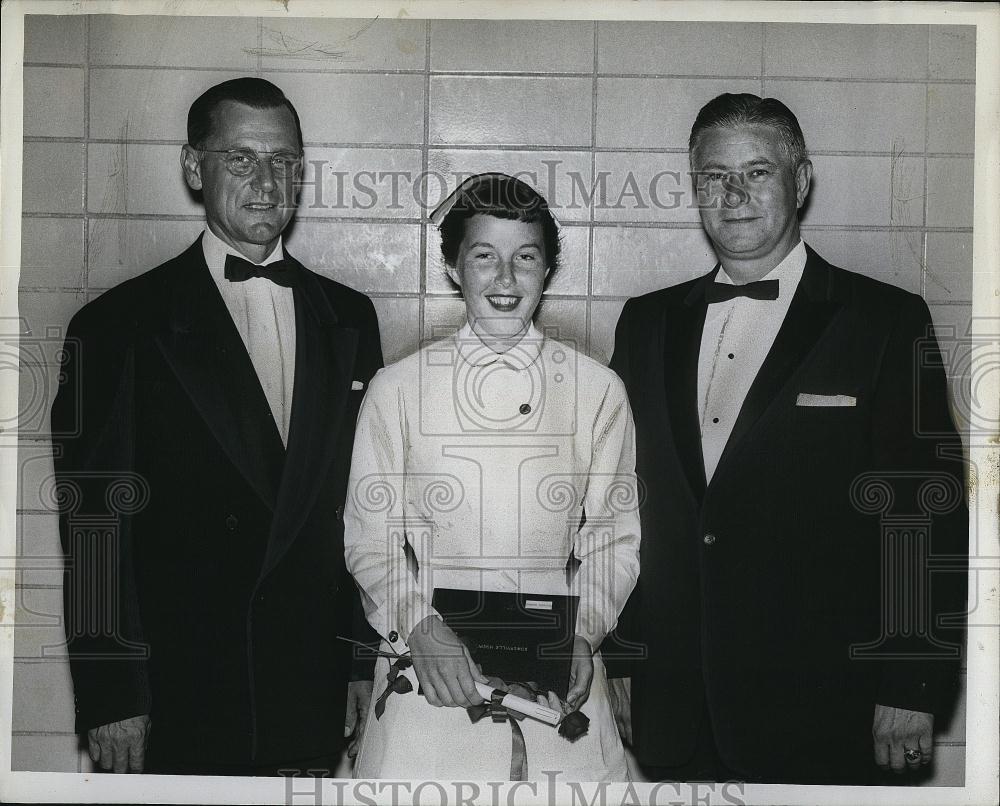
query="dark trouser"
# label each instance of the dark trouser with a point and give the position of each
(706, 765)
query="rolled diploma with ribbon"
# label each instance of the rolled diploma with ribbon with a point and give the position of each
(521, 705)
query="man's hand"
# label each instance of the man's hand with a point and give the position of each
(895, 731)
(620, 694)
(359, 698)
(443, 665)
(120, 746)
(581, 673)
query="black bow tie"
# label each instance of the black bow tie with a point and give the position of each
(280, 272)
(721, 292)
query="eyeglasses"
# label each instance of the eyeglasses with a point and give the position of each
(243, 161)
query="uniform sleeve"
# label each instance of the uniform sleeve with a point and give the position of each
(374, 517)
(619, 648)
(607, 544)
(369, 362)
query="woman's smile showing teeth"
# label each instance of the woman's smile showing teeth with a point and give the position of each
(500, 267)
(503, 302)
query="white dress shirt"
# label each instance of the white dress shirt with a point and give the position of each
(264, 315)
(737, 337)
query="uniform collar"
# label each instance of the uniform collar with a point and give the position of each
(521, 356)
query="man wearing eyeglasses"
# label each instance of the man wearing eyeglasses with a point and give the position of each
(222, 389)
(798, 616)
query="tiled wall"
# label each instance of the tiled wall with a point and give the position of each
(887, 112)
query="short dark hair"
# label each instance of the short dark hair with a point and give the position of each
(502, 197)
(249, 91)
(744, 109)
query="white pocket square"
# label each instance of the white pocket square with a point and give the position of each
(357, 386)
(805, 399)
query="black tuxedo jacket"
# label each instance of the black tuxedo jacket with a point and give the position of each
(212, 596)
(771, 595)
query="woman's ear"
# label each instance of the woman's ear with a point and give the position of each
(454, 274)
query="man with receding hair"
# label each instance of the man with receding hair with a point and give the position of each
(785, 411)
(222, 389)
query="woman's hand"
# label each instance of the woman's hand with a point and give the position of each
(620, 694)
(443, 665)
(551, 700)
(581, 673)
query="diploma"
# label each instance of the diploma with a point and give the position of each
(521, 705)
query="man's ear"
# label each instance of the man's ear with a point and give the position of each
(454, 274)
(191, 165)
(803, 181)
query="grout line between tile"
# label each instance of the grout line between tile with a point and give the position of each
(86, 155)
(501, 147)
(42, 733)
(763, 57)
(588, 307)
(927, 135)
(60, 65)
(521, 74)
(260, 47)
(331, 220)
(424, 166)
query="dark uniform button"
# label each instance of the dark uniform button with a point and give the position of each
(340, 512)
(232, 522)
(525, 408)
(708, 539)
(393, 636)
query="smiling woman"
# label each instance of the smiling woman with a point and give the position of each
(485, 462)
(500, 243)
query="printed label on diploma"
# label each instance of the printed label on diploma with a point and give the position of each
(523, 638)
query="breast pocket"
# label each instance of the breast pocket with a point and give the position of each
(823, 426)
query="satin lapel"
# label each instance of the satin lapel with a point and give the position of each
(682, 344)
(816, 301)
(324, 363)
(205, 351)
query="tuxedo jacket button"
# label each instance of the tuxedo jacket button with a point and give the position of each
(340, 512)
(708, 539)
(232, 522)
